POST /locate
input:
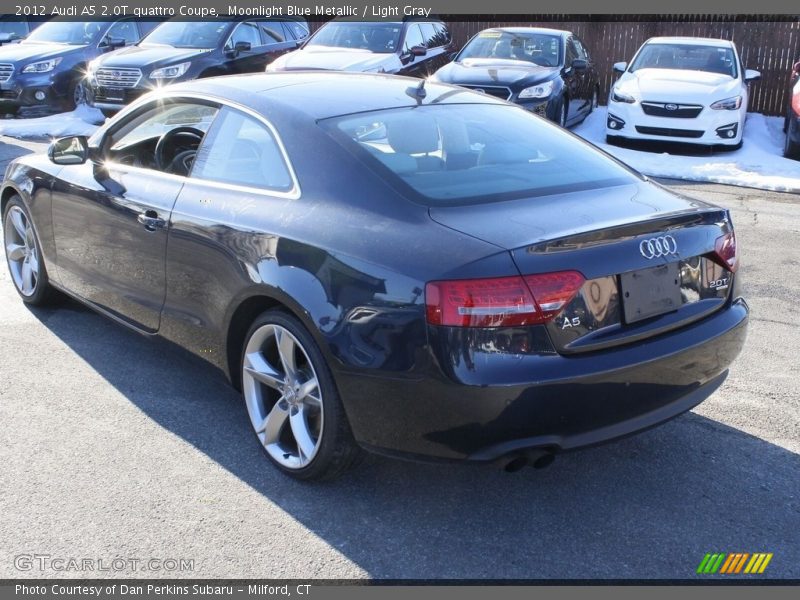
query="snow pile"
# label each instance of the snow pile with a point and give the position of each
(81, 121)
(758, 164)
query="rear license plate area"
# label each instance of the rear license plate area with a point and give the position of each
(650, 292)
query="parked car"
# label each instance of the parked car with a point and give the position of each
(13, 29)
(411, 47)
(49, 66)
(681, 89)
(387, 263)
(791, 148)
(182, 50)
(548, 71)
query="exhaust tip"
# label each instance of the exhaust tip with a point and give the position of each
(538, 459)
(515, 464)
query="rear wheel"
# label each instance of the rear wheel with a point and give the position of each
(292, 401)
(24, 255)
(791, 149)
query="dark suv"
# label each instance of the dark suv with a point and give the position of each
(415, 48)
(47, 68)
(183, 50)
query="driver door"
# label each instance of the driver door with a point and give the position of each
(111, 215)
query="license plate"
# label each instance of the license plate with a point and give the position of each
(650, 292)
(115, 94)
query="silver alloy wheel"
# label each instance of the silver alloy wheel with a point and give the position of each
(79, 94)
(21, 253)
(282, 394)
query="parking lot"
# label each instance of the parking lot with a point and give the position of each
(116, 446)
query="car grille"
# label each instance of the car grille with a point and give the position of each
(119, 78)
(8, 94)
(671, 109)
(681, 133)
(6, 71)
(497, 91)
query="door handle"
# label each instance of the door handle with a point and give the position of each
(151, 220)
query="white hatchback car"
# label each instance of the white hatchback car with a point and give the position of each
(681, 89)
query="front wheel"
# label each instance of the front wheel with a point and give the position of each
(24, 255)
(292, 401)
(76, 95)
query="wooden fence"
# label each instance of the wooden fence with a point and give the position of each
(768, 44)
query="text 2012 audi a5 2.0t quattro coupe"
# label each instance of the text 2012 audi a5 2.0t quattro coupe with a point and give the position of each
(408, 267)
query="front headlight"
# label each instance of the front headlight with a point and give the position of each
(170, 72)
(617, 96)
(542, 90)
(43, 66)
(728, 104)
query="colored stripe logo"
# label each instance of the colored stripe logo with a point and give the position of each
(734, 563)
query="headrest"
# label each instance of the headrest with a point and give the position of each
(416, 135)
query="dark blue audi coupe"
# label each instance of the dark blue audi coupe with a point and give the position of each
(387, 264)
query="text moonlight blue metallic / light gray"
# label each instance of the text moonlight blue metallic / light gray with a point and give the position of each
(407, 267)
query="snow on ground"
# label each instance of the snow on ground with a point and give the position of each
(81, 121)
(758, 164)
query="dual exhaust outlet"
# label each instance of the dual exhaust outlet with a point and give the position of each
(534, 457)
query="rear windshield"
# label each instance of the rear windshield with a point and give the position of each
(474, 153)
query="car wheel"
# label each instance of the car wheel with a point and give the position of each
(595, 101)
(292, 401)
(791, 149)
(24, 255)
(76, 95)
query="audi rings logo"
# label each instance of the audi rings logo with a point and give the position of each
(659, 246)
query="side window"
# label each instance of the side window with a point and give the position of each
(273, 32)
(244, 32)
(580, 49)
(413, 37)
(429, 34)
(241, 150)
(298, 29)
(572, 53)
(442, 34)
(125, 30)
(134, 141)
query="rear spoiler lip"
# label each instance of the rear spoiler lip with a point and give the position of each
(618, 232)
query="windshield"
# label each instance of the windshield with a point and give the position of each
(74, 33)
(475, 153)
(187, 34)
(376, 37)
(13, 29)
(692, 57)
(537, 48)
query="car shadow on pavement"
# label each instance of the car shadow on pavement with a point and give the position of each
(649, 506)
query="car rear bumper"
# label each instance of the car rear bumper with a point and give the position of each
(485, 404)
(710, 127)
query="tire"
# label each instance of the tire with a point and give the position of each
(595, 102)
(791, 149)
(108, 113)
(298, 419)
(76, 95)
(24, 256)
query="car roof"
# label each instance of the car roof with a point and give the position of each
(324, 94)
(698, 41)
(544, 30)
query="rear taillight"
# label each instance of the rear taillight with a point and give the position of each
(725, 251)
(500, 301)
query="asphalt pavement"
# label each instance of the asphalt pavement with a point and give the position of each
(115, 446)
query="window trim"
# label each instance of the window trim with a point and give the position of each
(292, 194)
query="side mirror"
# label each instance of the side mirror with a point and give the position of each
(751, 75)
(419, 51)
(620, 67)
(110, 43)
(72, 150)
(580, 64)
(240, 47)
